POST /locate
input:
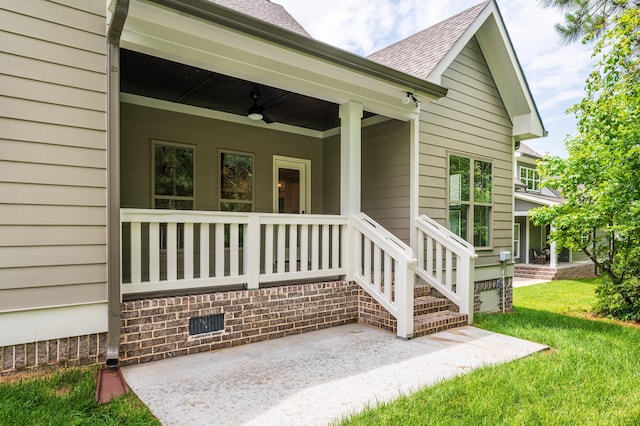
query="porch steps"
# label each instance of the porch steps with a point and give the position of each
(533, 271)
(433, 314)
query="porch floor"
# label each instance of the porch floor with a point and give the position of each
(311, 378)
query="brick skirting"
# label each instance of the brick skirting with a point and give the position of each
(158, 328)
(47, 354)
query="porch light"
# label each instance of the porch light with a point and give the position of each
(255, 115)
(411, 98)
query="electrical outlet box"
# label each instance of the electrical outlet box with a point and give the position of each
(504, 256)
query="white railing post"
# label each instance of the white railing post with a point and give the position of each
(404, 298)
(252, 252)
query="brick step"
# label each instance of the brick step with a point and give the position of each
(428, 304)
(438, 321)
(533, 274)
(421, 290)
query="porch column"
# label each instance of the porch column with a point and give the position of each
(414, 180)
(350, 157)
(553, 261)
(526, 239)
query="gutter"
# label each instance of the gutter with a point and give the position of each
(114, 32)
(213, 13)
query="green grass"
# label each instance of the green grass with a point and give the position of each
(67, 397)
(591, 376)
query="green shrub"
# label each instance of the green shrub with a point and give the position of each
(619, 300)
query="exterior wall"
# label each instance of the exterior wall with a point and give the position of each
(471, 120)
(52, 170)
(140, 125)
(523, 239)
(331, 174)
(525, 206)
(385, 176)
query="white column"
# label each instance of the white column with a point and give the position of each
(350, 157)
(553, 262)
(526, 239)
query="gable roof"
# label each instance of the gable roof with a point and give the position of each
(429, 53)
(267, 11)
(420, 53)
(526, 150)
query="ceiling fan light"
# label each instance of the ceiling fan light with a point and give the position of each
(255, 116)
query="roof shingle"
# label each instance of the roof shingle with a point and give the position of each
(420, 53)
(267, 11)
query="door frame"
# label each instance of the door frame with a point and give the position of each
(300, 164)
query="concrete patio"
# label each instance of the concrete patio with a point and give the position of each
(314, 378)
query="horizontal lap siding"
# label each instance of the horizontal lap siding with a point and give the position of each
(470, 120)
(53, 156)
(385, 176)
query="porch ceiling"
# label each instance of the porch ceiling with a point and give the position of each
(158, 78)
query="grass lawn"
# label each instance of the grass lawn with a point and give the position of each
(66, 397)
(591, 376)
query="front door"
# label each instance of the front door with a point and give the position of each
(292, 188)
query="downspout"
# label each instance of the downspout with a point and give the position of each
(114, 32)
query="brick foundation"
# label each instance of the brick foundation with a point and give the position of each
(487, 285)
(155, 329)
(47, 354)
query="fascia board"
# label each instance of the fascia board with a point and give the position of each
(212, 13)
(533, 199)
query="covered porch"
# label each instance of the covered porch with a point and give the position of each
(245, 164)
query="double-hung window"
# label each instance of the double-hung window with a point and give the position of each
(530, 177)
(470, 199)
(236, 181)
(173, 176)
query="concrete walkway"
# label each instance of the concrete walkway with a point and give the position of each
(311, 379)
(523, 282)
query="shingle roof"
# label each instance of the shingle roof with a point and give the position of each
(420, 53)
(265, 10)
(526, 150)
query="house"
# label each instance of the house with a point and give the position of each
(534, 257)
(183, 176)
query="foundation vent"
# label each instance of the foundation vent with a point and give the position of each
(208, 324)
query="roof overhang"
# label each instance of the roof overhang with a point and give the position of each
(542, 201)
(203, 34)
(492, 36)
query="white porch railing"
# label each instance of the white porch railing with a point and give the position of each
(173, 250)
(384, 266)
(446, 262)
(177, 250)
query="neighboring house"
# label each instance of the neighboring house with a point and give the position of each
(183, 176)
(530, 245)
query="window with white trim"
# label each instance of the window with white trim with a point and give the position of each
(530, 177)
(516, 240)
(236, 181)
(173, 176)
(470, 199)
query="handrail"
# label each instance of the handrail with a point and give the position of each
(436, 261)
(385, 268)
(445, 236)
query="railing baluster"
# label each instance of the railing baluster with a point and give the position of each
(234, 249)
(315, 248)
(304, 247)
(268, 249)
(377, 265)
(429, 256)
(335, 246)
(388, 276)
(281, 249)
(293, 248)
(325, 246)
(172, 251)
(154, 252)
(220, 254)
(438, 262)
(187, 253)
(204, 250)
(367, 260)
(136, 249)
(448, 269)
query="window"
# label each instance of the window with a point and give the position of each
(530, 178)
(516, 240)
(173, 175)
(470, 199)
(236, 182)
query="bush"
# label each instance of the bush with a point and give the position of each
(619, 300)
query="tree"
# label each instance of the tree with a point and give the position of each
(588, 19)
(600, 179)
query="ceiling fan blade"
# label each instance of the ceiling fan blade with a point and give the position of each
(266, 118)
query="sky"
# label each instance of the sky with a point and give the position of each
(555, 71)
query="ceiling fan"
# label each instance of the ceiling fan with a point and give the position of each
(255, 111)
